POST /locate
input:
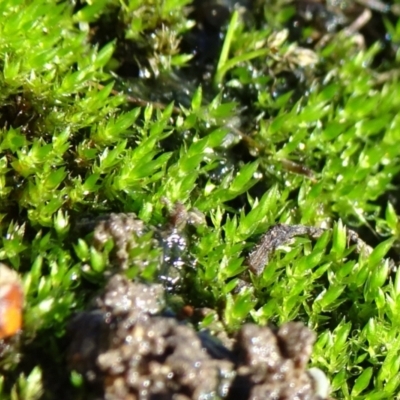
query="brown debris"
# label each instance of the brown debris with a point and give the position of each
(123, 229)
(281, 234)
(129, 347)
(276, 236)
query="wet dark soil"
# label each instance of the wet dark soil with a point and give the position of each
(128, 346)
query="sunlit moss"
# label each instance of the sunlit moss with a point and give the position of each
(270, 132)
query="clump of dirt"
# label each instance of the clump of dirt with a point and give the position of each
(129, 346)
(127, 233)
(123, 229)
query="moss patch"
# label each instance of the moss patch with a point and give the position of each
(250, 116)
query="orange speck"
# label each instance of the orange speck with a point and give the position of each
(11, 302)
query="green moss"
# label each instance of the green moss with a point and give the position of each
(321, 152)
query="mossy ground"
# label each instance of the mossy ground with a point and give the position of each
(273, 120)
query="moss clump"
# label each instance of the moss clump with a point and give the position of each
(265, 130)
